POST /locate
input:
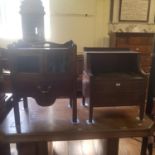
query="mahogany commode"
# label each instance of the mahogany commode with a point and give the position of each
(113, 78)
(44, 74)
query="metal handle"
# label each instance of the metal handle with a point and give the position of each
(137, 49)
(118, 84)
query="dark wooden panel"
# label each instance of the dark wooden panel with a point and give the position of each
(32, 148)
(5, 149)
(41, 72)
(141, 42)
(151, 89)
(55, 123)
(79, 67)
(113, 79)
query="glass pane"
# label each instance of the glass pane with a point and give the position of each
(27, 64)
(58, 63)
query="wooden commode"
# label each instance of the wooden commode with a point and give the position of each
(44, 74)
(113, 78)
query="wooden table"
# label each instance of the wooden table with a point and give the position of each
(42, 124)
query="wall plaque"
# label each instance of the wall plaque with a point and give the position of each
(134, 10)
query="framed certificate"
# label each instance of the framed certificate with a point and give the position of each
(134, 10)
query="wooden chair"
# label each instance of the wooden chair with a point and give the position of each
(44, 74)
(113, 79)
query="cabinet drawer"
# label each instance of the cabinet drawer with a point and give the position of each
(119, 91)
(118, 98)
(119, 85)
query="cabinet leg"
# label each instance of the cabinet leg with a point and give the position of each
(25, 102)
(149, 103)
(83, 100)
(90, 114)
(16, 111)
(74, 109)
(141, 113)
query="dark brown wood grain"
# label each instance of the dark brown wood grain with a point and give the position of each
(53, 123)
(151, 88)
(136, 41)
(44, 74)
(32, 148)
(4, 149)
(113, 78)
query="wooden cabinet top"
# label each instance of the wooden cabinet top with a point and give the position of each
(112, 61)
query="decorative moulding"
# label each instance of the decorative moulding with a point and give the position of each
(131, 28)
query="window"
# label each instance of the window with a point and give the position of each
(46, 4)
(10, 19)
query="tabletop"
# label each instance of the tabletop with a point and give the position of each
(53, 123)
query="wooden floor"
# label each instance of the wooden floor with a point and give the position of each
(127, 146)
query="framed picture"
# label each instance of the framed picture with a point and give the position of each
(134, 10)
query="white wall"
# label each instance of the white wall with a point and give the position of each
(84, 30)
(89, 30)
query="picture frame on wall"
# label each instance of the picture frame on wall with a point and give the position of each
(134, 11)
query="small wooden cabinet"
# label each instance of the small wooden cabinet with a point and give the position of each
(113, 78)
(44, 74)
(135, 41)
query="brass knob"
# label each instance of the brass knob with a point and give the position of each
(137, 49)
(118, 84)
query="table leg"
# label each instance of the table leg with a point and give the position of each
(25, 103)
(144, 146)
(4, 149)
(33, 148)
(111, 146)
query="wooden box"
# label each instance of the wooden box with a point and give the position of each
(44, 74)
(113, 79)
